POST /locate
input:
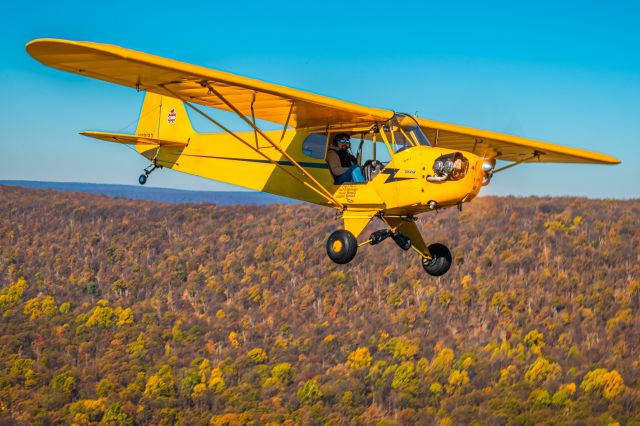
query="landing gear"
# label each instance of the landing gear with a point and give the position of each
(342, 246)
(142, 179)
(440, 262)
(436, 259)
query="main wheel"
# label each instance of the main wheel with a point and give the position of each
(342, 246)
(441, 261)
(142, 179)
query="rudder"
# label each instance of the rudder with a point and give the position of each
(164, 117)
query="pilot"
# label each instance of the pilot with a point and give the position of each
(342, 164)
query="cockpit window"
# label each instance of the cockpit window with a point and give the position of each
(314, 145)
(411, 129)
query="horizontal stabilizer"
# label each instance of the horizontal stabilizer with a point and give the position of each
(133, 139)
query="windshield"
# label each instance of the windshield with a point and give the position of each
(408, 126)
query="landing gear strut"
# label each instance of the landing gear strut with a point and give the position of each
(147, 171)
(342, 247)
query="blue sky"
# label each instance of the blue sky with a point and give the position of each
(563, 72)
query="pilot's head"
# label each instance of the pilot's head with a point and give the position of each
(342, 140)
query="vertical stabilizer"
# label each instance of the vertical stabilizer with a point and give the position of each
(165, 118)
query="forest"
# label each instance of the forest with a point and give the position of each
(129, 312)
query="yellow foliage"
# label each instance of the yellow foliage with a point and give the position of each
(65, 308)
(281, 342)
(541, 369)
(508, 375)
(258, 355)
(125, 316)
(160, 384)
(447, 421)
(401, 347)
(457, 380)
(442, 362)
(435, 388)
(216, 381)
(534, 340)
(613, 384)
(360, 358)
(10, 296)
(623, 317)
(198, 389)
(233, 338)
(102, 315)
(40, 306)
(220, 314)
(569, 388)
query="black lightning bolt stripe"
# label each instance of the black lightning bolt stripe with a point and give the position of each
(392, 175)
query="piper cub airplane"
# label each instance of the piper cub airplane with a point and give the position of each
(410, 165)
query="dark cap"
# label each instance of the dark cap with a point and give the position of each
(339, 136)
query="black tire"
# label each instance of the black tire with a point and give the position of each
(441, 261)
(342, 246)
(142, 179)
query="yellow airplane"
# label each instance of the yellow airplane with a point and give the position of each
(411, 165)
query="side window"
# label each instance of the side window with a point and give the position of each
(314, 145)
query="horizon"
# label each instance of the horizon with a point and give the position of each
(141, 189)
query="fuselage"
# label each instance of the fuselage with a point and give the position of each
(401, 188)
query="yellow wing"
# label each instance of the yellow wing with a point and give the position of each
(506, 147)
(167, 77)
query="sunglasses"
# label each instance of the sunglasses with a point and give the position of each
(344, 140)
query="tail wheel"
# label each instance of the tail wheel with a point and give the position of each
(440, 262)
(342, 246)
(142, 179)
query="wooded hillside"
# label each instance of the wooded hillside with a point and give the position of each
(132, 312)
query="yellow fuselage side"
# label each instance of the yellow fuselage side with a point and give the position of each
(400, 189)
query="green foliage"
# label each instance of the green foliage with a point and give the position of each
(258, 355)
(404, 378)
(115, 415)
(65, 308)
(64, 382)
(540, 397)
(104, 388)
(309, 393)
(137, 348)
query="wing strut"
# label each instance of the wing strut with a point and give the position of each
(536, 154)
(324, 194)
(276, 146)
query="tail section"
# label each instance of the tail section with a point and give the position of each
(165, 118)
